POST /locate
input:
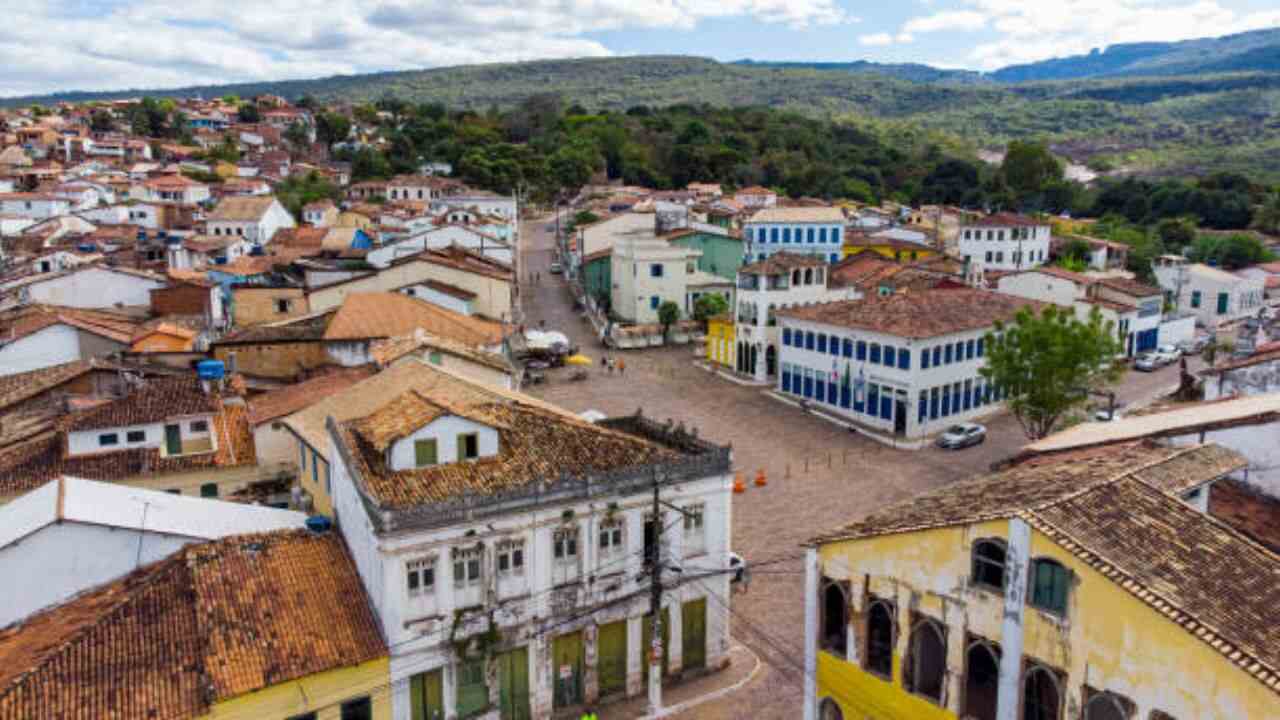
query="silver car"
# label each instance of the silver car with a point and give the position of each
(962, 436)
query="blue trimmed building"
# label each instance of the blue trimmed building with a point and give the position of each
(906, 365)
(815, 231)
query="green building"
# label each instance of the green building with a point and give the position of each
(597, 275)
(722, 254)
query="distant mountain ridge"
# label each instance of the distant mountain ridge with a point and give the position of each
(1258, 50)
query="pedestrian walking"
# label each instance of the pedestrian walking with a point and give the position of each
(622, 365)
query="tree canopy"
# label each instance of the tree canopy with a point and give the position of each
(1046, 362)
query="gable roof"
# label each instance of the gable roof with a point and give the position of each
(292, 398)
(154, 401)
(241, 208)
(1112, 508)
(18, 387)
(782, 262)
(798, 215)
(383, 315)
(29, 319)
(209, 623)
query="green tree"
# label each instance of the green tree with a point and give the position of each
(248, 113)
(296, 191)
(709, 306)
(298, 135)
(1176, 233)
(332, 128)
(101, 121)
(1046, 362)
(1028, 166)
(228, 150)
(668, 315)
(1267, 217)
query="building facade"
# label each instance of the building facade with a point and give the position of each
(1005, 242)
(1077, 588)
(904, 364)
(817, 231)
(1214, 296)
(524, 603)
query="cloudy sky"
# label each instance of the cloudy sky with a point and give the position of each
(56, 45)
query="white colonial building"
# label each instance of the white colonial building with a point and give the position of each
(784, 280)
(505, 546)
(1212, 295)
(904, 364)
(648, 271)
(815, 231)
(1005, 241)
(255, 218)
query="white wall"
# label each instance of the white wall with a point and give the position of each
(445, 431)
(435, 297)
(1003, 249)
(87, 441)
(60, 560)
(1041, 286)
(274, 445)
(95, 288)
(53, 345)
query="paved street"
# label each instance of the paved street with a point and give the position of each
(820, 475)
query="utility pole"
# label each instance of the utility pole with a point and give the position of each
(655, 607)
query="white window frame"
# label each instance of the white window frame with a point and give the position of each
(695, 531)
(510, 551)
(467, 560)
(564, 545)
(612, 539)
(417, 567)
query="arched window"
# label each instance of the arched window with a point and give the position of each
(981, 680)
(773, 320)
(925, 670)
(1050, 581)
(808, 276)
(1041, 694)
(1106, 706)
(988, 563)
(795, 277)
(835, 619)
(880, 637)
(829, 710)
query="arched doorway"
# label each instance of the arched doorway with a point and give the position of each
(1104, 707)
(1041, 695)
(755, 356)
(741, 364)
(835, 620)
(981, 681)
(926, 667)
(771, 361)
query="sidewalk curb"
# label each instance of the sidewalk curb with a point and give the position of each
(706, 367)
(713, 695)
(852, 427)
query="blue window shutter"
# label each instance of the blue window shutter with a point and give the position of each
(947, 356)
(937, 355)
(924, 409)
(848, 348)
(786, 337)
(904, 359)
(875, 353)
(786, 381)
(924, 359)
(822, 342)
(862, 350)
(886, 407)
(890, 356)
(980, 347)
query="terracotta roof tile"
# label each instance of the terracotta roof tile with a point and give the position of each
(385, 352)
(798, 215)
(384, 315)
(922, 314)
(22, 386)
(155, 401)
(1005, 220)
(33, 318)
(209, 623)
(292, 398)
(1247, 510)
(241, 208)
(782, 262)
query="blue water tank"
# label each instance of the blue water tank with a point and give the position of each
(211, 369)
(319, 523)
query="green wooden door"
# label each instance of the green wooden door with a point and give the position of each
(473, 693)
(513, 684)
(693, 637)
(647, 642)
(172, 440)
(567, 659)
(426, 696)
(611, 657)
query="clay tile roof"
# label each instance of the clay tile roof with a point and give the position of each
(241, 208)
(206, 243)
(1264, 354)
(22, 386)
(211, 622)
(783, 262)
(451, 290)
(155, 401)
(292, 398)
(756, 190)
(299, 237)
(33, 318)
(1248, 510)
(534, 444)
(171, 180)
(383, 315)
(799, 215)
(918, 314)
(385, 352)
(1134, 288)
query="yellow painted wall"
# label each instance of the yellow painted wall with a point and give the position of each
(323, 693)
(161, 342)
(1109, 639)
(888, 252)
(720, 339)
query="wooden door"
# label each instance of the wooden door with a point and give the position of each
(693, 640)
(172, 440)
(513, 684)
(611, 657)
(567, 660)
(426, 696)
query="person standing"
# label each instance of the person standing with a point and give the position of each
(622, 366)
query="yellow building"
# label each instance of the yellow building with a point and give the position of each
(250, 627)
(720, 339)
(1080, 586)
(896, 250)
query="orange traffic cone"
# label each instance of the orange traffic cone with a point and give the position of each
(760, 480)
(738, 485)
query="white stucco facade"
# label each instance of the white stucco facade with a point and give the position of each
(1214, 296)
(1016, 245)
(94, 287)
(647, 272)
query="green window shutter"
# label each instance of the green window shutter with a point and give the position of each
(417, 706)
(1195, 298)
(462, 447)
(1224, 300)
(424, 452)
(435, 358)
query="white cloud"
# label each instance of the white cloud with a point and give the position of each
(1028, 32)
(46, 47)
(903, 38)
(965, 20)
(876, 39)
